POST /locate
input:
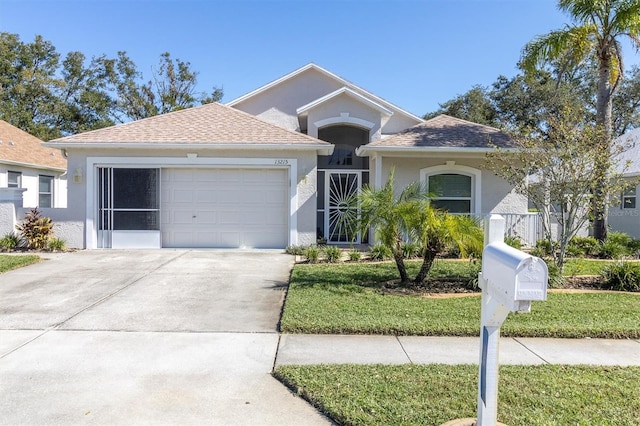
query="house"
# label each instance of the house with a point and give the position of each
(271, 168)
(25, 163)
(624, 213)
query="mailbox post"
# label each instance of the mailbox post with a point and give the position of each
(510, 279)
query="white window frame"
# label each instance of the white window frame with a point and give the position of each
(628, 194)
(18, 175)
(451, 168)
(51, 193)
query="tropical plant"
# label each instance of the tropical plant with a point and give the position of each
(514, 242)
(56, 244)
(35, 229)
(312, 254)
(380, 252)
(583, 246)
(435, 230)
(386, 212)
(333, 254)
(598, 29)
(10, 241)
(622, 276)
(355, 255)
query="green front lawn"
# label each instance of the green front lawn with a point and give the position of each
(8, 262)
(345, 299)
(434, 394)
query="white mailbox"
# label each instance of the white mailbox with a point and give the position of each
(513, 276)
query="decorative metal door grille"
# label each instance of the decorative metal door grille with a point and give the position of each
(341, 218)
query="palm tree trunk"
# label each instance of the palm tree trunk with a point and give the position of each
(603, 118)
(427, 262)
(402, 269)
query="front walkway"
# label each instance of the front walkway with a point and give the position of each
(359, 349)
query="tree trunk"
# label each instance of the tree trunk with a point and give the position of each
(603, 118)
(399, 259)
(427, 262)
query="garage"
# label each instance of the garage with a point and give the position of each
(224, 207)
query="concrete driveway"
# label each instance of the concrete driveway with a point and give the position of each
(146, 337)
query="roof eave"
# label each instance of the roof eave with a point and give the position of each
(33, 165)
(324, 147)
(363, 150)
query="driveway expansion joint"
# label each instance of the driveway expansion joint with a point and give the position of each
(403, 349)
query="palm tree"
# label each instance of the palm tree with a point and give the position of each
(382, 210)
(598, 28)
(435, 231)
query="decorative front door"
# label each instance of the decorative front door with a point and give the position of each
(341, 216)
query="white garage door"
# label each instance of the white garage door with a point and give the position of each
(245, 208)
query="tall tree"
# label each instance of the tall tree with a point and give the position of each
(475, 105)
(172, 87)
(596, 32)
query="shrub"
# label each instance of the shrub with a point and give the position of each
(56, 244)
(622, 276)
(10, 241)
(513, 242)
(295, 250)
(35, 229)
(312, 254)
(333, 254)
(612, 249)
(556, 280)
(410, 250)
(583, 246)
(380, 252)
(355, 255)
(542, 248)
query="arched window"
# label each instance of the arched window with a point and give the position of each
(455, 188)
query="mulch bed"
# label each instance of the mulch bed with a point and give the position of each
(457, 288)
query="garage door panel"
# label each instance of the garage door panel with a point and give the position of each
(232, 208)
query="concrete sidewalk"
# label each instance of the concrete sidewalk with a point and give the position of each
(304, 349)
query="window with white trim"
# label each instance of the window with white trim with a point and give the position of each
(629, 198)
(456, 187)
(14, 179)
(45, 191)
(451, 192)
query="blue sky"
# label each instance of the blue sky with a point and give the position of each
(414, 53)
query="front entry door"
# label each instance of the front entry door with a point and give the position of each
(340, 217)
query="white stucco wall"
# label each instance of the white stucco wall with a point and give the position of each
(497, 195)
(30, 181)
(279, 103)
(305, 178)
(625, 220)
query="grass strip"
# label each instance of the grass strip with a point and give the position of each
(8, 262)
(434, 394)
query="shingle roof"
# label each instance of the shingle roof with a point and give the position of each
(207, 124)
(19, 146)
(448, 132)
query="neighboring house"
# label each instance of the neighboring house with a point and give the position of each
(624, 214)
(271, 168)
(25, 163)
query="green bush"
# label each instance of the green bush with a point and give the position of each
(583, 246)
(295, 250)
(612, 249)
(56, 244)
(514, 242)
(355, 255)
(542, 249)
(333, 254)
(380, 252)
(410, 250)
(556, 280)
(620, 238)
(622, 276)
(312, 254)
(35, 229)
(10, 241)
